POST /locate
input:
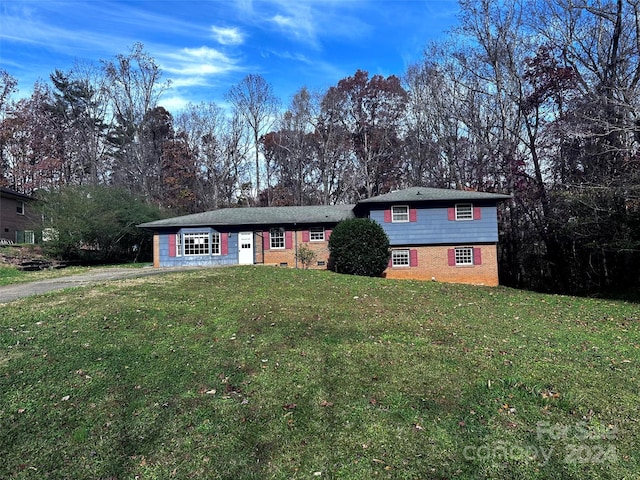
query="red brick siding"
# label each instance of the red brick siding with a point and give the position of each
(433, 263)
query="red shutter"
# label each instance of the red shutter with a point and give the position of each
(387, 216)
(451, 253)
(477, 256)
(413, 258)
(477, 213)
(413, 215)
(265, 241)
(451, 213)
(224, 243)
(327, 235)
(288, 240)
(172, 245)
(390, 264)
(305, 235)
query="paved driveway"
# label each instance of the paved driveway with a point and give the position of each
(10, 293)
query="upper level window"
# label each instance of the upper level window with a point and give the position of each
(464, 211)
(316, 234)
(400, 213)
(464, 256)
(20, 208)
(276, 238)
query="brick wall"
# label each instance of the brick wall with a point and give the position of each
(433, 264)
(279, 256)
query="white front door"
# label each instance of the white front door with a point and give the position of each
(245, 248)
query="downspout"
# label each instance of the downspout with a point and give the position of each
(295, 244)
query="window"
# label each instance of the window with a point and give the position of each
(400, 258)
(464, 211)
(276, 238)
(215, 244)
(178, 245)
(400, 213)
(20, 208)
(464, 256)
(316, 234)
(197, 243)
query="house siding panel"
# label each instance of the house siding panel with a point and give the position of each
(433, 227)
(163, 249)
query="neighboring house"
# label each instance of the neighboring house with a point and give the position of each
(16, 219)
(446, 235)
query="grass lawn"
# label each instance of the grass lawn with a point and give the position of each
(267, 373)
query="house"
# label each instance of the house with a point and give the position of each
(446, 235)
(16, 218)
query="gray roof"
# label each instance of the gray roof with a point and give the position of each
(317, 214)
(417, 194)
(259, 216)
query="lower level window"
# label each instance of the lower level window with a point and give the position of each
(276, 238)
(400, 258)
(201, 243)
(464, 256)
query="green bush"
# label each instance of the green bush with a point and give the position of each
(359, 246)
(95, 224)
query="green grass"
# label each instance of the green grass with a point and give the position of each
(266, 373)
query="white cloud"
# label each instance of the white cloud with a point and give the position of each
(174, 104)
(228, 36)
(198, 61)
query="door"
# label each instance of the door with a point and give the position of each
(245, 248)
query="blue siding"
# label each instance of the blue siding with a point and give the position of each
(433, 227)
(198, 260)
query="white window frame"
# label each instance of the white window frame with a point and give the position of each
(400, 258)
(196, 244)
(464, 256)
(464, 212)
(316, 234)
(20, 208)
(216, 243)
(400, 216)
(178, 245)
(276, 239)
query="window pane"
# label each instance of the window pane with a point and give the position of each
(464, 256)
(316, 234)
(400, 214)
(196, 243)
(464, 211)
(215, 244)
(400, 258)
(276, 237)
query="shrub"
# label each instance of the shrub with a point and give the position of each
(95, 224)
(359, 246)
(305, 256)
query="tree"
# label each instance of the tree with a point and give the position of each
(254, 100)
(289, 151)
(134, 86)
(371, 110)
(79, 107)
(96, 223)
(359, 246)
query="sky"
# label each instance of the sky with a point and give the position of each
(206, 47)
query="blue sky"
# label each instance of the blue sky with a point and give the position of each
(205, 47)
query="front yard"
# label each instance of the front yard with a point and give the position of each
(259, 372)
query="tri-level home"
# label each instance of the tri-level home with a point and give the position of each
(435, 234)
(16, 219)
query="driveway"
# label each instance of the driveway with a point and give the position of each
(10, 293)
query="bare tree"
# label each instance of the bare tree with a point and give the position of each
(254, 100)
